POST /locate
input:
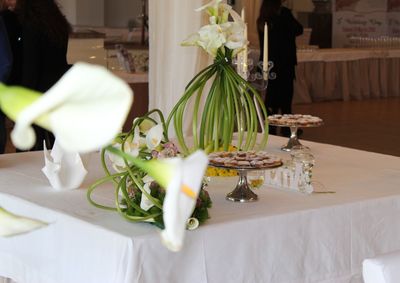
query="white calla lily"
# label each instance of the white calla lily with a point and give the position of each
(211, 6)
(118, 162)
(154, 136)
(146, 125)
(85, 109)
(192, 223)
(209, 37)
(11, 224)
(235, 16)
(234, 33)
(181, 196)
(145, 203)
(135, 145)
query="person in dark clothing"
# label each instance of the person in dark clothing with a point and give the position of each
(282, 31)
(14, 33)
(10, 53)
(45, 33)
(5, 69)
(5, 53)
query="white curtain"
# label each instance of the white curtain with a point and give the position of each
(252, 8)
(171, 65)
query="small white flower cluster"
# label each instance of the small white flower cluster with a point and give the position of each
(220, 32)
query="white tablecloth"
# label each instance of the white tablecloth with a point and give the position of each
(345, 74)
(284, 237)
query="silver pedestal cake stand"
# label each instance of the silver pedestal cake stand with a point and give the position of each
(293, 139)
(242, 191)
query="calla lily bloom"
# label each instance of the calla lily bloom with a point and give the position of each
(209, 37)
(182, 179)
(11, 224)
(180, 200)
(154, 136)
(220, 31)
(145, 203)
(145, 126)
(85, 109)
(212, 7)
(131, 147)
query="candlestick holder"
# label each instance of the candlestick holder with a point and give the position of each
(255, 73)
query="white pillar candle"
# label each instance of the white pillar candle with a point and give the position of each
(265, 59)
(245, 54)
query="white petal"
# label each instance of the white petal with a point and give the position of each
(136, 139)
(192, 40)
(11, 224)
(87, 108)
(145, 203)
(154, 136)
(23, 137)
(178, 203)
(213, 3)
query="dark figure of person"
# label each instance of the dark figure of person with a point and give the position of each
(5, 53)
(5, 69)
(14, 33)
(11, 55)
(282, 31)
(45, 33)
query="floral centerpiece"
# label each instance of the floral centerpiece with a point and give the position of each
(138, 196)
(84, 98)
(231, 103)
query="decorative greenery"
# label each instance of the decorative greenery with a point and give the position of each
(137, 196)
(231, 102)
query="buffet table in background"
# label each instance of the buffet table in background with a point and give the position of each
(283, 237)
(346, 74)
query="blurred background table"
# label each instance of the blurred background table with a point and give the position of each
(346, 74)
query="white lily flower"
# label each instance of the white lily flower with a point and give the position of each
(135, 145)
(146, 125)
(234, 35)
(212, 7)
(181, 196)
(11, 224)
(212, 37)
(154, 136)
(192, 223)
(209, 37)
(235, 16)
(145, 203)
(85, 109)
(117, 161)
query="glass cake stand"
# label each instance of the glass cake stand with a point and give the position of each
(242, 191)
(293, 139)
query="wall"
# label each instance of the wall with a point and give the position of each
(99, 13)
(119, 12)
(90, 13)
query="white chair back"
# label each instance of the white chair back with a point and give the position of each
(382, 269)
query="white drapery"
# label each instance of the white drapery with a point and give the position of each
(252, 12)
(171, 65)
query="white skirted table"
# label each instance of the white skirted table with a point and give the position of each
(283, 237)
(345, 74)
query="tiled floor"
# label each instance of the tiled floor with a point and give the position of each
(372, 125)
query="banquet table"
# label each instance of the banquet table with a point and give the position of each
(284, 237)
(346, 74)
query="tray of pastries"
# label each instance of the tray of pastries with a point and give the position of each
(294, 120)
(244, 160)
